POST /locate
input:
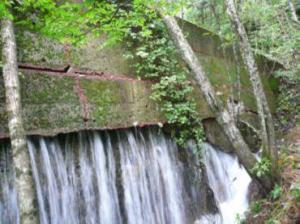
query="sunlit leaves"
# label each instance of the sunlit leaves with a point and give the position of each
(154, 57)
(170, 7)
(4, 9)
(276, 192)
(270, 29)
(295, 190)
(262, 167)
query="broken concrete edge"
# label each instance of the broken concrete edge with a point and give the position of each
(59, 131)
(63, 71)
(213, 134)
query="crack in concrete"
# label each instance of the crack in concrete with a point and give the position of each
(83, 100)
(68, 70)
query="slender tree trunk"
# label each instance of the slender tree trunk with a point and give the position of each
(293, 11)
(21, 161)
(223, 117)
(267, 126)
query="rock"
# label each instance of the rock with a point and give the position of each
(198, 193)
(216, 136)
(254, 192)
(250, 135)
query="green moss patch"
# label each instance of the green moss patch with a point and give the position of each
(49, 102)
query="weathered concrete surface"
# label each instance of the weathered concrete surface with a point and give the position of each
(57, 103)
(221, 68)
(64, 102)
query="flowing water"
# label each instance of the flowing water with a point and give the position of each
(124, 177)
(229, 182)
(8, 195)
(151, 180)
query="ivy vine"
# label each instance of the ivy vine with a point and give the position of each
(155, 58)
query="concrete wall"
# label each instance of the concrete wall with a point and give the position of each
(101, 90)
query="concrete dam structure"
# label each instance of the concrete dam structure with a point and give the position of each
(98, 148)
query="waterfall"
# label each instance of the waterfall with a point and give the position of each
(72, 191)
(8, 196)
(134, 176)
(229, 182)
(151, 179)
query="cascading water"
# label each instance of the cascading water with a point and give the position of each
(151, 178)
(229, 182)
(71, 192)
(117, 177)
(8, 195)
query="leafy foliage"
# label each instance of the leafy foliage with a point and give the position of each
(288, 110)
(256, 206)
(268, 24)
(262, 167)
(295, 190)
(4, 12)
(276, 192)
(272, 221)
(272, 33)
(73, 22)
(157, 61)
(138, 23)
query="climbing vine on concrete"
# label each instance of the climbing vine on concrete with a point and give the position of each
(146, 37)
(154, 58)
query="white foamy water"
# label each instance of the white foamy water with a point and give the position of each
(229, 182)
(79, 184)
(8, 196)
(152, 180)
(128, 176)
(71, 194)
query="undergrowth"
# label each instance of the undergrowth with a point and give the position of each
(282, 205)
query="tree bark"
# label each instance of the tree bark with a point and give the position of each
(267, 126)
(293, 11)
(223, 117)
(21, 160)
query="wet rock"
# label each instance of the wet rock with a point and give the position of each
(199, 195)
(254, 192)
(216, 136)
(250, 135)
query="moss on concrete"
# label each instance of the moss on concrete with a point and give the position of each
(103, 97)
(94, 56)
(52, 103)
(37, 50)
(223, 75)
(119, 103)
(49, 102)
(57, 103)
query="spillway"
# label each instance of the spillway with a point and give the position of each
(134, 176)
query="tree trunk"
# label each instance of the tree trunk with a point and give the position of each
(223, 117)
(21, 161)
(293, 11)
(267, 126)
